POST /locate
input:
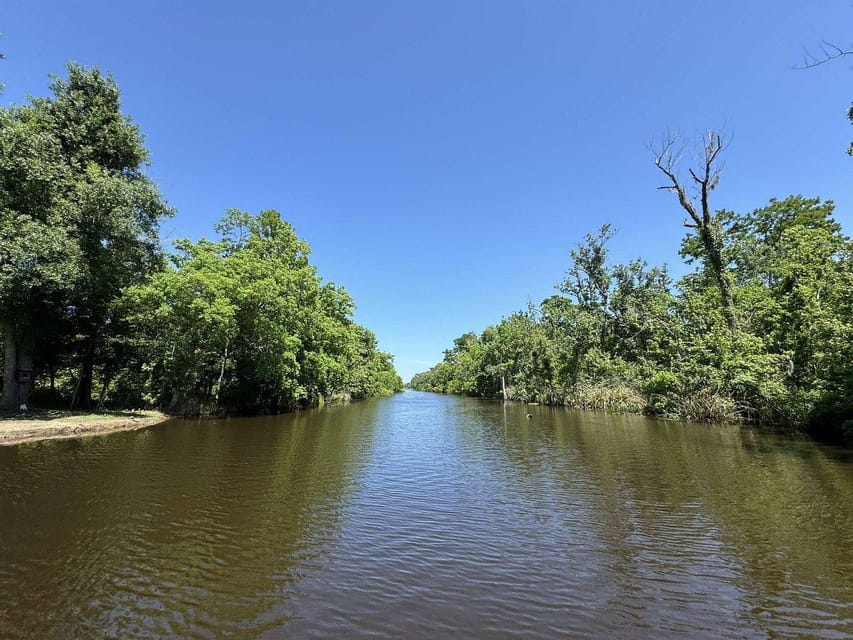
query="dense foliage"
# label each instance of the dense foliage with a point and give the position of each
(626, 337)
(246, 322)
(91, 311)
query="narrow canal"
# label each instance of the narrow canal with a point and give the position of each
(427, 516)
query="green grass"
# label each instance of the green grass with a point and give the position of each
(64, 415)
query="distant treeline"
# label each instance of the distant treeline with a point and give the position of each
(94, 313)
(625, 337)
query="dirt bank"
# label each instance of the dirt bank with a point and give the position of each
(46, 425)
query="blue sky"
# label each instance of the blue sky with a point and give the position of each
(441, 158)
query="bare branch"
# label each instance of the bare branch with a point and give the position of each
(695, 177)
(698, 208)
(828, 53)
(667, 160)
(713, 147)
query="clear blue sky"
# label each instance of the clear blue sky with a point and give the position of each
(441, 158)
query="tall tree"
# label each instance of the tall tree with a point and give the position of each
(74, 196)
(700, 216)
(38, 258)
(795, 266)
(117, 207)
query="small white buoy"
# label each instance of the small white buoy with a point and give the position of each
(529, 416)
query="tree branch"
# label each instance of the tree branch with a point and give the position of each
(828, 53)
(666, 161)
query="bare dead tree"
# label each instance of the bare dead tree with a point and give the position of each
(695, 202)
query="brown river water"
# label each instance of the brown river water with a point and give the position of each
(427, 516)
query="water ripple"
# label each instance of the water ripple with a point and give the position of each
(426, 516)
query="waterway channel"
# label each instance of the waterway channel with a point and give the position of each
(427, 516)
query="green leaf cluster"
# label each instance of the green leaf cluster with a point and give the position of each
(245, 323)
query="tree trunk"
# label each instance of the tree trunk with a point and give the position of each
(177, 397)
(10, 367)
(103, 394)
(83, 398)
(719, 269)
(25, 362)
(576, 368)
(702, 219)
(222, 370)
(17, 355)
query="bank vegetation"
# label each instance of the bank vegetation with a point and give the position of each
(94, 313)
(759, 329)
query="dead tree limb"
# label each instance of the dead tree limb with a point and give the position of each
(700, 216)
(828, 53)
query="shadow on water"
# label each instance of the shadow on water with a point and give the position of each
(168, 531)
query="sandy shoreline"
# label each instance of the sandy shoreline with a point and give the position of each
(53, 425)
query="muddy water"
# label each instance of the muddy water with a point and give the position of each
(425, 516)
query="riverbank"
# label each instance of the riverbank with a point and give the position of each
(31, 426)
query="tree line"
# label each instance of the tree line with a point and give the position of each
(761, 329)
(93, 312)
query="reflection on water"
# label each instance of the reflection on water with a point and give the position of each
(189, 529)
(427, 516)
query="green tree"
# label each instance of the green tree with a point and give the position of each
(626, 308)
(118, 208)
(246, 324)
(38, 257)
(795, 268)
(84, 217)
(850, 118)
